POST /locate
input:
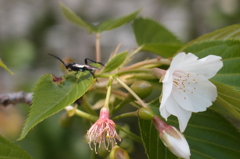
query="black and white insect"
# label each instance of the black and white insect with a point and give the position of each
(77, 67)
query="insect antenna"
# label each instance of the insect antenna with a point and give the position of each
(58, 59)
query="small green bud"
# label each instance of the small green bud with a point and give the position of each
(145, 113)
(142, 88)
(102, 152)
(127, 144)
(118, 153)
(65, 120)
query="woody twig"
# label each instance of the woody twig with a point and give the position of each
(15, 97)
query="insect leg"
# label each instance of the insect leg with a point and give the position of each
(93, 75)
(86, 62)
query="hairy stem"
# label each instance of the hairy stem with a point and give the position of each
(147, 71)
(158, 61)
(98, 50)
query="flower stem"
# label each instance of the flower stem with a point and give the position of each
(131, 91)
(130, 134)
(129, 114)
(98, 51)
(147, 71)
(86, 115)
(135, 51)
(106, 104)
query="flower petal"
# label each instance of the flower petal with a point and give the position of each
(182, 58)
(197, 95)
(172, 107)
(163, 111)
(167, 86)
(207, 66)
(168, 78)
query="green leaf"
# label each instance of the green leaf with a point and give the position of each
(11, 151)
(165, 50)
(209, 136)
(50, 97)
(115, 62)
(72, 17)
(5, 67)
(148, 31)
(112, 24)
(227, 103)
(228, 33)
(155, 37)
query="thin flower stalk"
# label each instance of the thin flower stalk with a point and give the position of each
(131, 91)
(98, 49)
(157, 61)
(103, 130)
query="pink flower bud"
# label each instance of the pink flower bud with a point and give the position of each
(173, 139)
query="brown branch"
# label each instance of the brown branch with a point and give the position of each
(15, 97)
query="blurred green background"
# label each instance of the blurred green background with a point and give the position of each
(30, 29)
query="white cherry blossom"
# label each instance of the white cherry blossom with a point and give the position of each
(186, 87)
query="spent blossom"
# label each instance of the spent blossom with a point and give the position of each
(186, 87)
(103, 132)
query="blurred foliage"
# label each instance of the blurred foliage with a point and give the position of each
(28, 54)
(4, 66)
(18, 53)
